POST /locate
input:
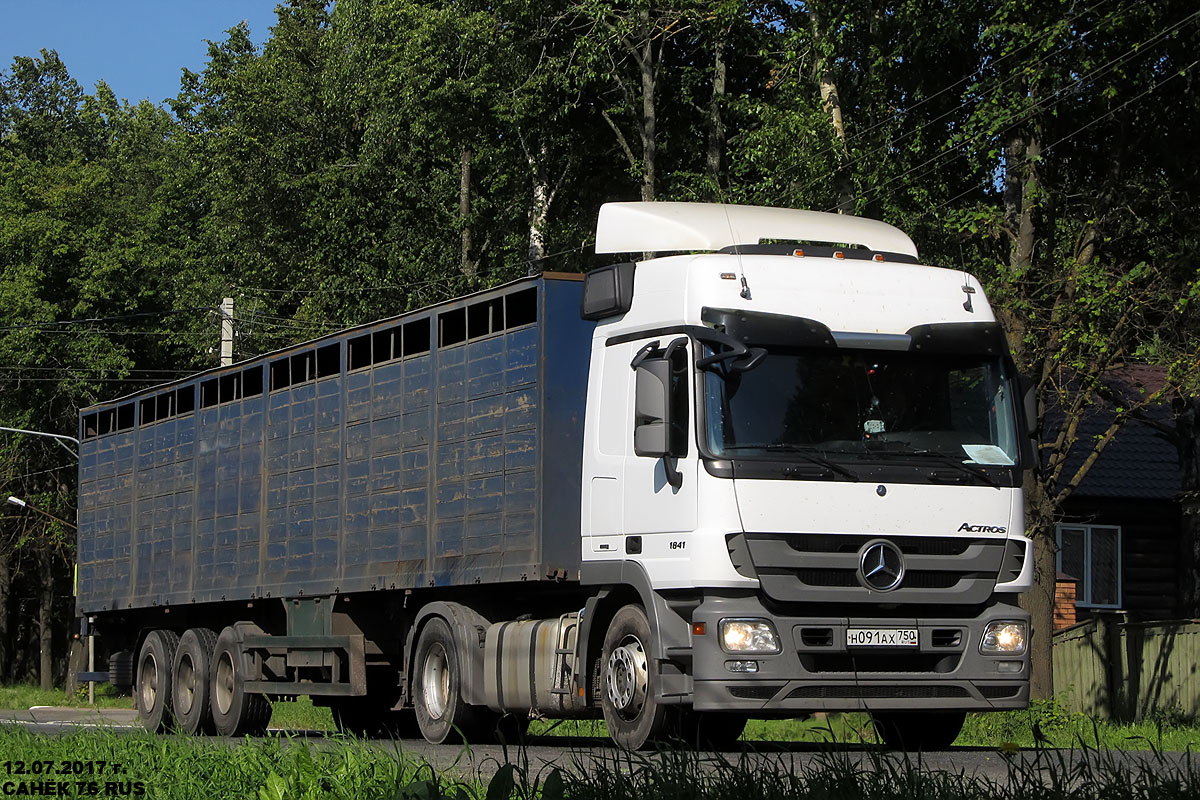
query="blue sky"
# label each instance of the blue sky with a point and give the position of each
(138, 47)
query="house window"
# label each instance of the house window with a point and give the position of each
(1092, 555)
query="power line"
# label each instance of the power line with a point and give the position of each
(1017, 117)
(93, 320)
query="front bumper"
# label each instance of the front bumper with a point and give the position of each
(817, 671)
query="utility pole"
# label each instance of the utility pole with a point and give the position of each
(226, 331)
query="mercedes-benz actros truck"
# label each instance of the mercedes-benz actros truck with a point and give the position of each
(774, 471)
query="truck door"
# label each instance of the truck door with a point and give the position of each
(652, 504)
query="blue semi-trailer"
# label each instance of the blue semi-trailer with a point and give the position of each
(659, 494)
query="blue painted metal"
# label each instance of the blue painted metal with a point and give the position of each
(445, 462)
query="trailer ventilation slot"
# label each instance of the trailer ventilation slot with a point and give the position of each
(389, 344)
(487, 317)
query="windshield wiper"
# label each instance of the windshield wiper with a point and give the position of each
(953, 461)
(803, 452)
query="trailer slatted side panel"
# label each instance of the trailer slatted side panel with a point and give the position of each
(408, 453)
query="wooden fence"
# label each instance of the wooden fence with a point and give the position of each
(1129, 670)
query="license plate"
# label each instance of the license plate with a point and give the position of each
(881, 637)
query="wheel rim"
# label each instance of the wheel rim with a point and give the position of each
(148, 683)
(627, 678)
(185, 683)
(223, 686)
(435, 681)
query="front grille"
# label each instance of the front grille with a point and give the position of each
(825, 567)
(859, 692)
(999, 692)
(764, 692)
(909, 545)
(880, 662)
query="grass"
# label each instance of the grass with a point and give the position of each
(289, 768)
(21, 696)
(1002, 730)
(1049, 720)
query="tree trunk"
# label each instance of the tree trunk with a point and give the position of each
(832, 103)
(649, 118)
(1039, 601)
(469, 268)
(1021, 197)
(1187, 441)
(716, 126)
(76, 663)
(5, 593)
(539, 211)
(46, 624)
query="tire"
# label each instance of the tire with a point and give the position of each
(191, 681)
(152, 690)
(235, 711)
(635, 720)
(442, 714)
(914, 731)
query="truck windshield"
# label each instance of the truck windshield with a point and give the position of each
(860, 402)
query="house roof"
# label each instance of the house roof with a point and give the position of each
(1140, 462)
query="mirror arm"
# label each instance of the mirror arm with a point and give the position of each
(674, 476)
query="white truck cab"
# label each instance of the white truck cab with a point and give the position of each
(811, 456)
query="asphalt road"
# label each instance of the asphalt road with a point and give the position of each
(587, 754)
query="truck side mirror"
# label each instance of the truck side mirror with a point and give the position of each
(1029, 406)
(652, 408)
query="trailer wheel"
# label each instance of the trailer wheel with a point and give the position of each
(914, 731)
(437, 686)
(635, 720)
(152, 692)
(235, 711)
(191, 681)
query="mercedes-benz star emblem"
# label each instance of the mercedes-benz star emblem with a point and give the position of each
(880, 565)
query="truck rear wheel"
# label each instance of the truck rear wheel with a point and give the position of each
(235, 711)
(635, 720)
(152, 690)
(190, 680)
(437, 686)
(915, 731)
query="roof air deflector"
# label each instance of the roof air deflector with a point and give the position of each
(659, 227)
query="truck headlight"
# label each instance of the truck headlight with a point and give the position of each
(748, 636)
(1004, 639)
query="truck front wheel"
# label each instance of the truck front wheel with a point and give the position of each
(152, 691)
(235, 711)
(437, 686)
(915, 731)
(633, 716)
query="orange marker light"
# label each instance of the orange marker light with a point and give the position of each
(877, 257)
(698, 628)
(838, 254)
(798, 253)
